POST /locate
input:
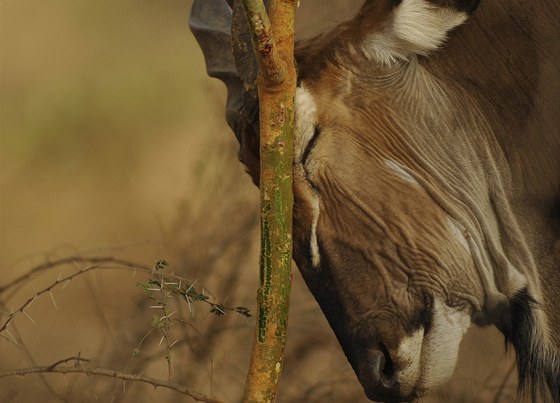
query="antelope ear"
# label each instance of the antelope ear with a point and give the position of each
(415, 27)
(210, 22)
(231, 60)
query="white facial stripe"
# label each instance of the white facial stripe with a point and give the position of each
(416, 27)
(315, 257)
(400, 171)
(306, 119)
(441, 344)
(458, 233)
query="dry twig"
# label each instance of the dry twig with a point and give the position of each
(56, 368)
(67, 260)
(119, 264)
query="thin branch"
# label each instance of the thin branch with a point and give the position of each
(17, 341)
(111, 374)
(64, 280)
(270, 64)
(76, 360)
(72, 259)
(43, 291)
(276, 118)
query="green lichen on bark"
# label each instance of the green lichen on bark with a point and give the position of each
(276, 225)
(273, 45)
(265, 276)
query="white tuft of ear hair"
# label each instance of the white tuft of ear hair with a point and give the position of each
(415, 27)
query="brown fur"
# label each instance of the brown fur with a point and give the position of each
(475, 127)
(493, 161)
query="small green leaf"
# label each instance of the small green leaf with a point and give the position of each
(217, 310)
(143, 286)
(243, 311)
(157, 322)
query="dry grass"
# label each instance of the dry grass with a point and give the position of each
(113, 142)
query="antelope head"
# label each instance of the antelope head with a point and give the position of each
(390, 255)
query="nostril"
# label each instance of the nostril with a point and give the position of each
(382, 367)
(377, 364)
(388, 370)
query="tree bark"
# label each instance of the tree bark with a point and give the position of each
(273, 43)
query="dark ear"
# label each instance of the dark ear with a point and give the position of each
(212, 23)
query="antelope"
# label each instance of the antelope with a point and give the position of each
(426, 179)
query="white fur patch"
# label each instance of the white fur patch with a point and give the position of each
(429, 357)
(441, 344)
(417, 27)
(315, 256)
(458, 232)
(305, 121)
(400, 171)
(410, 350)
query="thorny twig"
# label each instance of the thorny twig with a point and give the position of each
(76, 360)
(56, 368)
(16, 339)
(190, 294)
(120, 265)
(72, 259)
(168, 284)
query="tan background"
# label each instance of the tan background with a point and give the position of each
(113, 142)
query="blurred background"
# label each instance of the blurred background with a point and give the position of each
(113, 143)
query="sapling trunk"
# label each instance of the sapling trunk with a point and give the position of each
(273, 42)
